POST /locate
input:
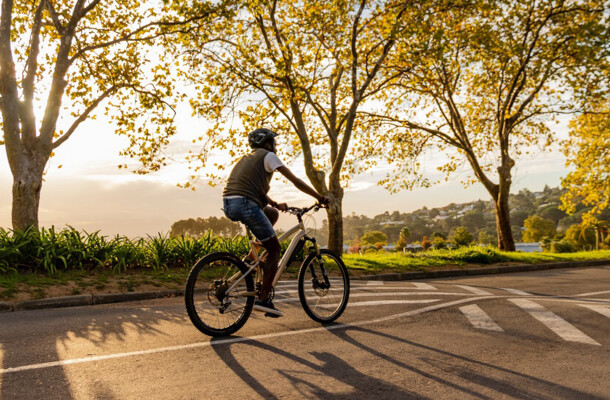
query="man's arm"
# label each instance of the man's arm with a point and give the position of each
(302, 186)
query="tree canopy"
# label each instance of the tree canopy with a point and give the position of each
(588, 153)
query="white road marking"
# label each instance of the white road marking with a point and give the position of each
(515, 291)
(382, 303)
(423, 286)
(603, 310)
(321, 329)
(479, 319)
(374, 283)
(376, 288)
(474, 290)
(374, 294)
(560, 326)
(590, 294)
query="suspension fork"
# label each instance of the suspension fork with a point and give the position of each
(316, 248)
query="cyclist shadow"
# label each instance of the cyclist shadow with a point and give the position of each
(468, 377)
(328, 366)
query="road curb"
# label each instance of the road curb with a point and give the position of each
(93, 299)
(55, 302)
(499, 269)
(5, 307)
(135, 296)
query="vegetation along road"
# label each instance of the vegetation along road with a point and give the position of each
(531, 335)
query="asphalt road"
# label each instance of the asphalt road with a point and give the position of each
(542, 335)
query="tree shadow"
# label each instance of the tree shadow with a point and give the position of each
(24, 344)
(330, 366)
(466, 377)
(501, 380)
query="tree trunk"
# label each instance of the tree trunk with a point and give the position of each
(27, 183)
(335, 220)
(505, 234)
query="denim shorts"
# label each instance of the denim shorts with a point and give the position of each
(246, 211)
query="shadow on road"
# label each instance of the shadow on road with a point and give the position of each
(330, 366)
(448, 374)
(446, 368)
(23, 343)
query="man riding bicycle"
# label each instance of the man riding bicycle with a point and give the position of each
(245, 200)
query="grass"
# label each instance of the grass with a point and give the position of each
(37, 264)
(402, 262)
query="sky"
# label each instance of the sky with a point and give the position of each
(89, 192)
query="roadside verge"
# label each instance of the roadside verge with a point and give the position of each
(94, 299)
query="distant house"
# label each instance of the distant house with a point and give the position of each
(392, 223)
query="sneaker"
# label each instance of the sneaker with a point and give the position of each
(268, 308)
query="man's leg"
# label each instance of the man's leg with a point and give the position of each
(272, 245)
(273, 215)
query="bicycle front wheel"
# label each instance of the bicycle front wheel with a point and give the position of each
(212, 307)
(323, 286)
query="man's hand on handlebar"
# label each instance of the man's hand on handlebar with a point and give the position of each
(324, 201)
(282, 207)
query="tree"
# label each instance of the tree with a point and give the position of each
(305, 69)
(580, 236)
(494, 73)
(403, 238)
(373, 237)
(588, 152)
(461, 237)
(90, 54)
(196, 227)
(537, 227)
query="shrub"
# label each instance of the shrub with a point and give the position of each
(562, 246)
(461, 237)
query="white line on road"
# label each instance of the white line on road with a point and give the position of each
(603, 310)
(374, 294)
(515, 291)
(423, 286)
(479, 319)
(554, 322)
(235, 339)
(474, 290)
(591, 294)
(374, 283)
(382, 303)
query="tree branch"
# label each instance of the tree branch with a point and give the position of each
(83, 117)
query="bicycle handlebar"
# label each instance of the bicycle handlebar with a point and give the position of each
(302, 211)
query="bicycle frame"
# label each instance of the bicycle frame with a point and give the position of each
(299, 233)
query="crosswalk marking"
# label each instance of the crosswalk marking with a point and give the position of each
(374, 283)
(479, 319)
(474, 290)
(603, 310)
(423, 286)
(554, 322)
(516, 291)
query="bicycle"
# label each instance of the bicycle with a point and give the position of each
(221, 289)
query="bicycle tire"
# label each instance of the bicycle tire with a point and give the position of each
(339, 287)
(199, 294)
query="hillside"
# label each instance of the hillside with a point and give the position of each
(477, 216)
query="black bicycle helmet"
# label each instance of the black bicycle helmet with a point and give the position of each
(259, 137)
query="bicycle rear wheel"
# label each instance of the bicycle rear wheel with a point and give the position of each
(212, 310)
(323, 286)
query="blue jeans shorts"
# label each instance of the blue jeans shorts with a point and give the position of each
(246, 211)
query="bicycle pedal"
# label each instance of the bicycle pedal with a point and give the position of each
(267, 314)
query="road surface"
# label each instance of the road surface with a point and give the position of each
(539, 335)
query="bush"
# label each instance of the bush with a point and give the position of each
(562, 246)
(461, 237)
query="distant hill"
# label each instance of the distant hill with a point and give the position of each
(477, 216)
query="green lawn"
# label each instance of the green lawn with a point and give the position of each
(399, 262)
